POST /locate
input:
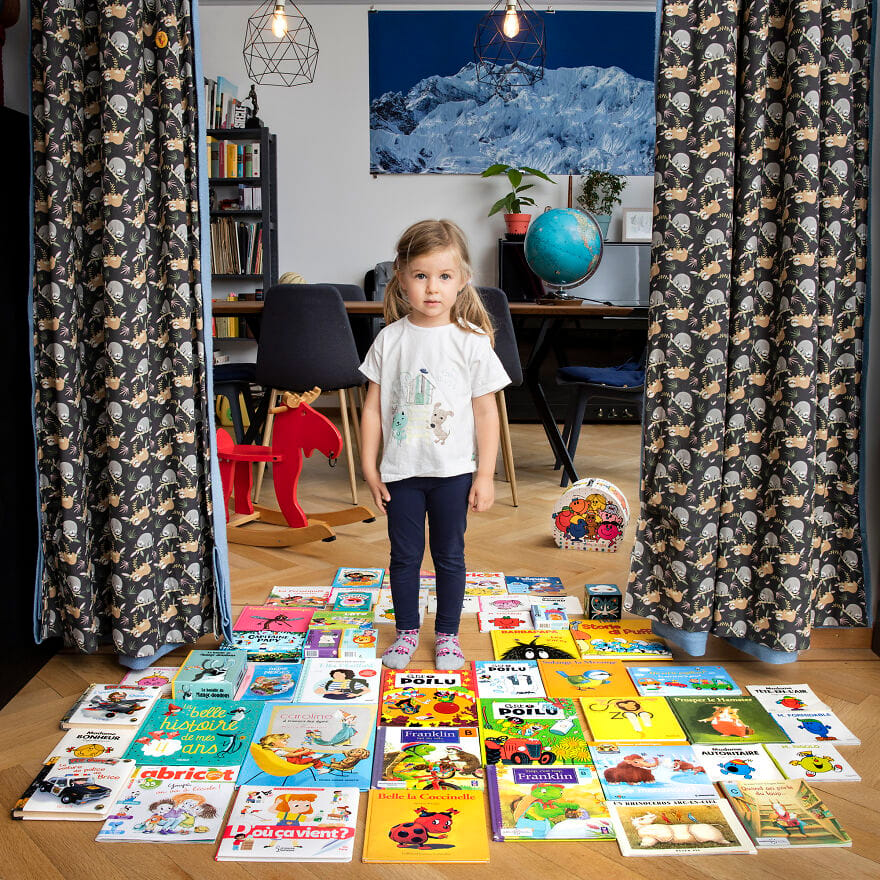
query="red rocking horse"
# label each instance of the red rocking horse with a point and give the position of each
(298, 430)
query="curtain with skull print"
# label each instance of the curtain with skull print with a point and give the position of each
(749, 517)
(121, 404)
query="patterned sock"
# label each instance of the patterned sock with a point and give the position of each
(401, 651)
(447, 651)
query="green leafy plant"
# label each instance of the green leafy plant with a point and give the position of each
(600, 191)
(513, 202)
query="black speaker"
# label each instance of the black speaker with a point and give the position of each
(515, 277)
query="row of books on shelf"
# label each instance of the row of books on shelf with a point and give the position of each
(231, 326)
(236, 246)
(221, 100)
(234, 158)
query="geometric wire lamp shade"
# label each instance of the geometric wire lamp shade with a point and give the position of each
(279, 46)
(510, 47)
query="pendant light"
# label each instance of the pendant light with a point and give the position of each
(279, 45)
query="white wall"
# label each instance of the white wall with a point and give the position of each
(335, 219)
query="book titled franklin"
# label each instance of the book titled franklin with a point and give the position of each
(428, 698)
(428, 758)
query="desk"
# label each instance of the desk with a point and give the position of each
(552, 317)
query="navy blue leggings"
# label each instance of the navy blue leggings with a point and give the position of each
(445, 502)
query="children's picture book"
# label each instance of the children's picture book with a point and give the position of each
(785, 814)
(426, 826)
(506, 620)
(209, 675)
(281, 824)
(484, 583)
(153, 676)
(625, 646)
(383, 610)
(587, 629)
(531, 730)
(786, 697)
(549, 618)
(336, 682)
(534, 586)
(359, 577)
(74, 788)
(269, 647)
(469, 604)
(271, 618)
(273, 682)
(428, 698)
(359, 643)
(562, 802)
(632, 720)
(681, 681)
(650, 772)
(584, 678)
(571, 605)
(171, 805)
(820, 762)
(206, 733)
(298, 597)
(724, 763)
(341, 618)
(311, 744)
(504, 605)
(92, 743)
(111, 705)
(349, 599)
(508, 678)
(806, 728)
(678, 828)
(322, 641)
(726, 719)
(429, 758)
(533, 645)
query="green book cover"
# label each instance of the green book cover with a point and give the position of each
(726, 719)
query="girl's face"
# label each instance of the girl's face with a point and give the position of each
(431, 284)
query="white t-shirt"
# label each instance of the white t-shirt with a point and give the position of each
(428, 376)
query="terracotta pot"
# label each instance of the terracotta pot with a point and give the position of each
(517, 224)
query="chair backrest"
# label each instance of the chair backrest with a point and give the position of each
(306, 340)
(497, 306)
(349, 292)
(361, 325)
(376, 280)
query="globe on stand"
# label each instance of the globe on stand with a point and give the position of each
(563, 247)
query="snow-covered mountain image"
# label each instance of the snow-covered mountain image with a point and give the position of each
(574, 119)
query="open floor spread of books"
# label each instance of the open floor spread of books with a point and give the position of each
(578, 730)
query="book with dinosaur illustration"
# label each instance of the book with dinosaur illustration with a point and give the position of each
(92, 743)
(209, 675)
(311, 744)
(682, 681)
(534, 586)
(153, 676)
(726, 719)
(533, 645)
(532, 730)
(358, 578)
(650, 772)
(207, 733)
(298, 597)
(598, 639)
(584, 678)
(429, 758)
(508, 678)
(339, 682)
(678, 828)
(428, 698)
(171, 805)
(786, 697)
(271, 618)
(632, 720)
(484, 583)
(784, 814)
(426, 826)
(562, 802)
(272, 682)
(820, 762)
(111, 705)
(268, 647)
(725, 763)
(818, 726)
(284, 824)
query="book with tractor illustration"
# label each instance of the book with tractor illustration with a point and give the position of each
(624, 639)
(339, 682)
(426, 826)
(171, 805)
(726, 719)
(207, 733)
(785, 814)
(311, 744)
(562, 802)
(682, 681)
(820, 762)
(92, 743)
(816, 727)
(298, 597)
(727, 763)
(544, 644)
(283, 824)
(271, 618)
(786, 697)
(650, 772)
(678, 828)
(534, 586)
(508, 678)
(431, 758)
(428, 698)
(273, 682)
(359, 578)
(584, 678)
(153, 676)
(111, 705)
(631, 720)
(531, 730)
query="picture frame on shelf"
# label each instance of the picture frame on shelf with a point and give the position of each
(636, 224)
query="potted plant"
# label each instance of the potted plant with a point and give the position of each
(600, 192)
(512, 203)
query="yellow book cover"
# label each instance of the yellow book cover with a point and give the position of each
(632, 720)
(426, 826)
(531, 644)
(585, 678)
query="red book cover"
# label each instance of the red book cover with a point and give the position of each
(270, 618)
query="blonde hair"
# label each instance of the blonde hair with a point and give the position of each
(427, 237)
(292, 278)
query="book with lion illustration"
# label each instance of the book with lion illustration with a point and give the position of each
(428, 698)
(545, 644)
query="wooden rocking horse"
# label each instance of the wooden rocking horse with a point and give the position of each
(298, 430)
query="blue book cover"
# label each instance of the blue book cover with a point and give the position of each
(358, 577)
(267, 647)
(272, 682)
(535, 586)
(311, 744)
(682, 681)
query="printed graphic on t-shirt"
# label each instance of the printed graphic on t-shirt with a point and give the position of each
(419, 412)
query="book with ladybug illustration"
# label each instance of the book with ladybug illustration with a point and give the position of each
(428, 698)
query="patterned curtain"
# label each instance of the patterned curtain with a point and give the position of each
(121, 399)
(749, 519)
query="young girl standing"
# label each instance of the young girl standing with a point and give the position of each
(431, 399)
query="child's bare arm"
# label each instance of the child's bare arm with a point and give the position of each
(371, 440)
(482, 495)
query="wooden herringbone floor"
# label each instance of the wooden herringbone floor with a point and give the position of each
(839, 667)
